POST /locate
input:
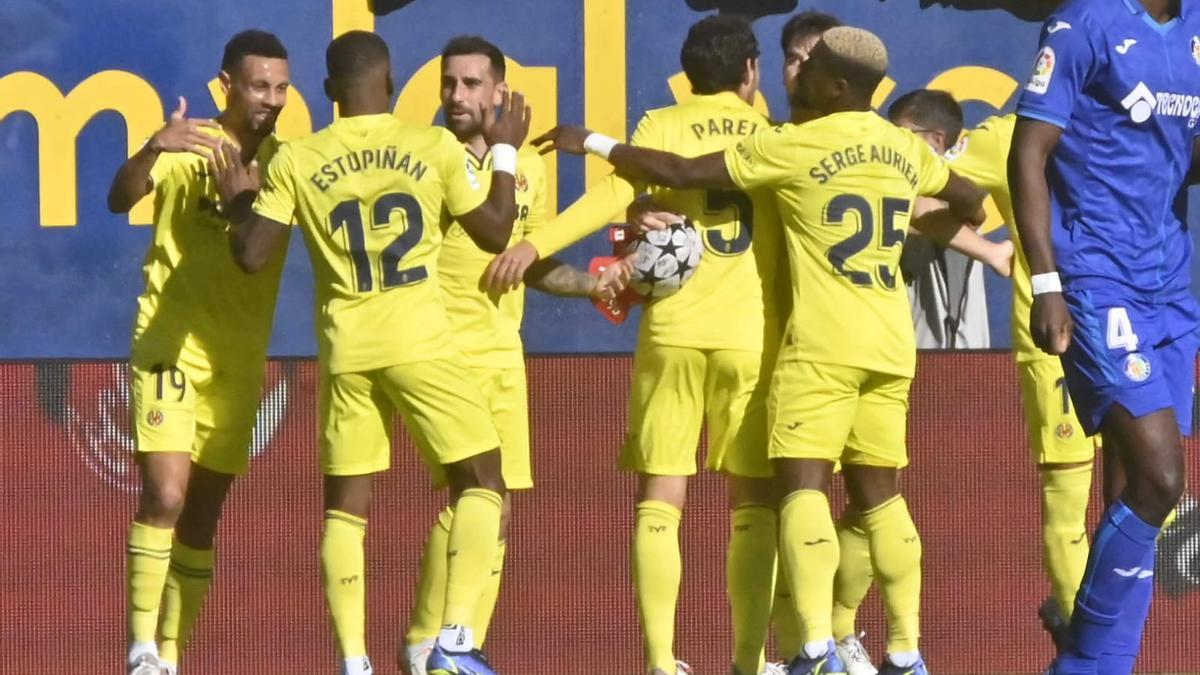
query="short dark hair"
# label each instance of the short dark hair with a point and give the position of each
(350, 53)
(466, 45)
(251, 43)
(805, 24)
(930, 109)
(715, 52)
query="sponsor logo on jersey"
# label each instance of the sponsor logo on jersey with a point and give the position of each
(1137, 367)
(1125, 45)
(1043, 71)
(1058, 25)
(1143, 104)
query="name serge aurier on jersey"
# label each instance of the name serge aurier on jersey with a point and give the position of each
(833, 163)
(364, 160)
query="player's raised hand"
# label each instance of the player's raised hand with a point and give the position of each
(507, 270)
(230, 174)
(1050, 323)
(565, 138)
(508, 123)
(183, 134)
(1001, 258)
(646, 215)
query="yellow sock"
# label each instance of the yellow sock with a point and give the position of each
(343, 573)
(749, 565)
(1065, 494)
(471, 550)
(783, 616)
(808, 544)
(188, 581)
(430, 601)
(491, 593)
(657, 569)
(854, 575)
(896, 555)
(147, 557)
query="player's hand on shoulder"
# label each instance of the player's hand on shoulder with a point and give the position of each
(507, 270)
(568, 139)
(183, 134)
(509, 122)
(1050, 323)
(231, 175)
(645, 214)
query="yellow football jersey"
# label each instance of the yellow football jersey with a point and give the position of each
(370, 194)
(197, 300)
(487, 328)
(722, 305)
(982, 156)
(845, 185)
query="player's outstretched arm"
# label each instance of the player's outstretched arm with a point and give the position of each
(950, 231)
(1033, 141)
(555, 277)
(637, 163)
(180, 134)
(490, 224)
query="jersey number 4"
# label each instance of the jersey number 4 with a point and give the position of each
(840, 254)
(349, 215)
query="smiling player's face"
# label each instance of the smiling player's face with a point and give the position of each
(257, 91)
(468, 84)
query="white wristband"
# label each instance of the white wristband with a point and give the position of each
(504, 158)
(1047, 282)
(599, 144)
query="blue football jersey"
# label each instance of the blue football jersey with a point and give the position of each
(1126, 92)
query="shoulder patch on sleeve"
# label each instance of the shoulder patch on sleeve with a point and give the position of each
(1043, 71)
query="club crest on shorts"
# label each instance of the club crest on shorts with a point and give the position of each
(1064, 431)
(1196, 49)
(155, 418)
(1137, 367)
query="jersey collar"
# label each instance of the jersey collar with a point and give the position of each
(726, 98)
(1135, 7)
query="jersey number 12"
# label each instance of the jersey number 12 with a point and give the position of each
(349, 215)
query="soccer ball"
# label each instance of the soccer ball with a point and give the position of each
(663, 260)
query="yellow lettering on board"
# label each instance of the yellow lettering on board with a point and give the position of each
(61, 118)
(603, 77)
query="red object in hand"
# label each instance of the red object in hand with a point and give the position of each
(617, 309)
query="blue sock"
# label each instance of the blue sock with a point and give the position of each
(1125, 641)
(1123, 543)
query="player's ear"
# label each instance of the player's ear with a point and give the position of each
(750, 75)
(226, 81)
(498, 93)
(391, 85)
(329, 93)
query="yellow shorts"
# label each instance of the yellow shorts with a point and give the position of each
(1055, 435)
(507, 398)
(823, 411)
(675, 389)
(440, 404)
(189, 407)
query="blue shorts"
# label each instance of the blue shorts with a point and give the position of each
(1136, 351)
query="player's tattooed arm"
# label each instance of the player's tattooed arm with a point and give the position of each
(490, 224)
(180, 134)
(556, 277)
(652, 166)
(1033, 142)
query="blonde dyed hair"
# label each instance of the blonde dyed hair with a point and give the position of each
(859, 54)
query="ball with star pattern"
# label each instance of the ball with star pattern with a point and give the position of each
(663, 260)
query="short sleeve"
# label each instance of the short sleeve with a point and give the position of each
(1065, 61)
(462, 190)
(762, 158)
(277, 197)
(530, 165)
(647, 134)
(933, 171)
(163, 164)
(978, 156)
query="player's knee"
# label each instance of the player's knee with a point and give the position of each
(161, 504)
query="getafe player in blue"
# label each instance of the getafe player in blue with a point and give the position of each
(1103, 146)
